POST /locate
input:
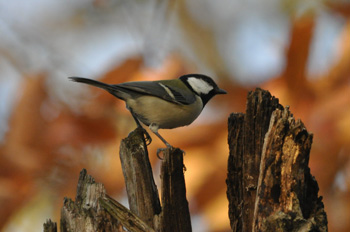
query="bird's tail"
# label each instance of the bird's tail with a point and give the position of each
(112, 89)
(91, 82)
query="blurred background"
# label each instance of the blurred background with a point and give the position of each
(51, 128)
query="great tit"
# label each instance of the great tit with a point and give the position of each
(163, 104)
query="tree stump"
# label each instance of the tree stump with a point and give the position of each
(269, 185)
(94, 210)
(85, 213)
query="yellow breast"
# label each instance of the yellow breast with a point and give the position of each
(165, 114)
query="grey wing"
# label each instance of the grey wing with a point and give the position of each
(158, 89)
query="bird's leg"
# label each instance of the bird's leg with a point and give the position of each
(154, 129)
(147, 137)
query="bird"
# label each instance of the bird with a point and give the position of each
(162, 104)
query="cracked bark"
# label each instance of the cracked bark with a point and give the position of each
(269, 185)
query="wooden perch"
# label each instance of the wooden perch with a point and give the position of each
(174, 214)
(269, 185)
(94, 210)
(142, 191)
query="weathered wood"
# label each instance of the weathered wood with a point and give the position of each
(123, 215)
(287, 197)
(270, 187)
(246, 138)
(50, 226)
(142, 192)
(93, 210)
(260, 105)
(235, 173)
(85, 214)
(175, 212)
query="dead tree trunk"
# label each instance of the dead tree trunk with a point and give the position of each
(269, 185)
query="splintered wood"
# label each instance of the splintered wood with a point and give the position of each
(270, 187)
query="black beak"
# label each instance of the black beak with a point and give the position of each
(220, 91)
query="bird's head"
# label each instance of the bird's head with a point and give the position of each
(202, 85)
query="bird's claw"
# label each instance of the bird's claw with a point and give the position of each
(160, 150)
(147, 137)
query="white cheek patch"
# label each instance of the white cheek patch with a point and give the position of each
(199, 85)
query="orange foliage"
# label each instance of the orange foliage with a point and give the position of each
(53, 151)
